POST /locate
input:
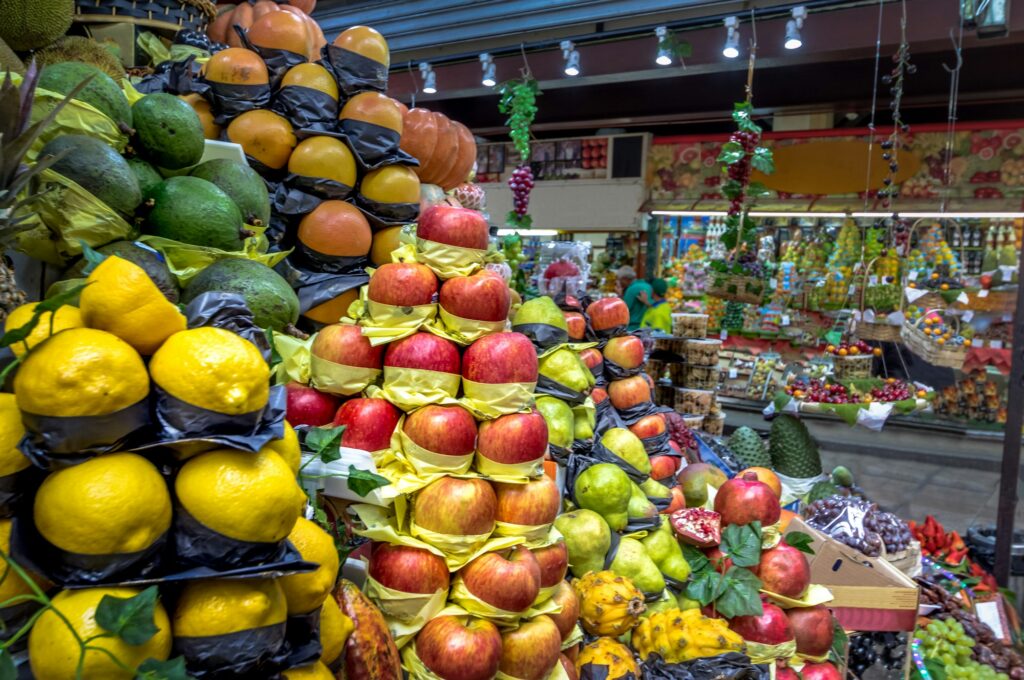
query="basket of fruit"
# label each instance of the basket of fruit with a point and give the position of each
(740, 279)
(880, 295)
(928, 335)
(853, 360)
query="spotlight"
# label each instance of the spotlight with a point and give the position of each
(732, 39)
(572, 58)
(429, 78)
(664, 57)
(487, 65)
(793, 26)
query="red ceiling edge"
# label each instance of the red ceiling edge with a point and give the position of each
(847, 132)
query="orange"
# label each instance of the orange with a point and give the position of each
(365, 41)
(236, 66)
(202, 108)
(375, 108)
(264, 135)
(336, 228)
(384, 241)
(391, 184)
(313, 76)
(767, 476)
(324, 158)
(332, 310)
(786, 517)
(281, 31)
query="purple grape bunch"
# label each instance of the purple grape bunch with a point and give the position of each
(521, 183)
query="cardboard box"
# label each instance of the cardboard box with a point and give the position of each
(870, 594)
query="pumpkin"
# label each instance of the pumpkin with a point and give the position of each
(282, 31)
(245, 14)
(314, 28)
(445, 149)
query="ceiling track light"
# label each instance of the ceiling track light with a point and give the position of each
(664, 57)
(793, 26)
(487, 66)
(731, 50)
(571, 56)
(429, 78)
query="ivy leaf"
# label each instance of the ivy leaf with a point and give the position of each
(706, 588)
(839, 641)
(172, 669)
(800, 541)
(743, 544)
(698, 561)
(757, 189)
(732, 189)
(129, 618)
(762, 160)
(8, 671)
(732, 152)
(362, 482)
(325, 442)
(740, 596)
(742, 115)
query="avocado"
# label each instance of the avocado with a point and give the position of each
(151, 261)
(101, 92)
(97, 168)
(269, 297)
(192, 210)
(146, 174)
(168, 131)
(242, 184)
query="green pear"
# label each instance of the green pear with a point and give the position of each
(633, 562)
(628, 447)
(652, 488)
(686, 603)
(564, 367)
(639, 506)
(540, 310)
(604, 488)
(560, 420)
(587, 538)
(664, 603)
(663, 547)
(584, 422)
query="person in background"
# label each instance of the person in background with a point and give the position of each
(659, 315)
(636, 293)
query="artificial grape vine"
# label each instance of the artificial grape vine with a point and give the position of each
(519, 102)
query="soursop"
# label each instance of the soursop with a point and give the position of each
(793, 452)
(748, 448)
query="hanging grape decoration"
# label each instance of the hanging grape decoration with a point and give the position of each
(518, 102)
(739, 156)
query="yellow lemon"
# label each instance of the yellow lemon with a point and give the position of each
(308, 591)
(81, 372)
(222, 606)
(213, 369)
(66, 317)
(108, 505)
(11, 430)
(123, 300)
(53, 652)
(335, 628)
(316, 671)
(242, 495)
(11, 584)
(288, 448)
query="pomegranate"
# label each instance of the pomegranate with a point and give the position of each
(719, 560)
(813, 629)
(820, 671)
(745, 499)
(784, 570)
(697, 526)
(785, 673)
(770, 628)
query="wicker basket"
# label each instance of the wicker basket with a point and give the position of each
(996, 301)
(736, 288)
(879, 331)
(923, 346)
(169, 15)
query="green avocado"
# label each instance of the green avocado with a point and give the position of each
(146, 174)
(192, 210)
(168, 131)
(152, 263)
(97, 168)
(101, 92)
(243, 184)
(269, 297)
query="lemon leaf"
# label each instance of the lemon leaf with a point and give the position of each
(172, 669)
(8, 671)
(362, 482)
(129, 618)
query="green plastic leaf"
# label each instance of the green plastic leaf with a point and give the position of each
(800, 541)
(762, 160)
(741, 596)
(698, 561)
(92, 257)
(706, 588)
(325, 442)
(742, 115)
(742, 544)
(732, 152)
(362, 482)
(129, 618)
(8, 671)
(839, 642)
(732, 189)
(54, 303)
(936, 669)
(757, 190)
(172, 669)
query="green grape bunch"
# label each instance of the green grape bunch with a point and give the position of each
(519, 102)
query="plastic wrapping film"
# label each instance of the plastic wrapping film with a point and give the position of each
(333, 378)
(302, 638)
(461, 330)
(76, 118)
(229, 101)
(658, 445)
(388, 214)
(354, 72)
(374, 145)
(634, 413)
(450, 261)
(613, 371)
(428, 463)
(253, 653)
(509, 473)
(542, 335)
(53, 442)
(606, 417)
(490, 400)
(186, 261)
(608, 333)
(405, 613)
(197, 544)
(730, 666)
(16, 489)
(382, 323)
(309, 111)
(315, 288)
(461, 596)
(412, 388)
(552, 388)
(230, 312)
(297, 195)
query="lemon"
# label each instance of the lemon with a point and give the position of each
(308, 591)
(66, 317)
(288, 448)
(120, 298)
(53, 652)
(213, 369)
(108, 505)
(222, 606)
(11, 584)
(245, 496)
(11, 430)
(81, 372)
(316, 671)
(335, 628)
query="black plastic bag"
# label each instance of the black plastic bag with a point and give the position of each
(195, 544)
(302, 638)
(309, 111)
(388, 214)
(658, 445)
(230, 312)
(542, 335)
(613, 371)
(173, 77)
(317, 287)
(16, 488)
(634, 413)
(374, 145)
(731, 666)
(278, 61)
(53, 442)
(228, 101)
(297, 196)
(606, 417)
(553, 388)
(354, 72)
(253, 653)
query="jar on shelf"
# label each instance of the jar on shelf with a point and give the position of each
(690, 325)
(714, 424)
(703, 352)
(694, 401)
(693, 421)
(701, 377)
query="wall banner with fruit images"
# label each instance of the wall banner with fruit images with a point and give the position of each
(829, 167)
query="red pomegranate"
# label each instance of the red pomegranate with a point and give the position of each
(697, 526)
(813, 629)
(785, 674)
(770, 628)
(820, 671)
(745, 499)
(784, 570)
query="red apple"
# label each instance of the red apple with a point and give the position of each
(369, 423)
(345, 344)
(785, 673)
(649, 426)
(577, 325)
(424, 351)
(508, 579)
(454, 226)
(403, 284)
(456, 507)
(628, 392)
(448, 430)
(554, 563)
(598, 394)
(663, 467)
(820, 671)
(532, 504)
(307, 406)
(565, 620)
(457, 648)
(569, 667)
(608, 312)
(530, 651)
(484, 296)
(514, 438)
(626, 351)
(592, 357)
(500, 358)
(408, 570)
